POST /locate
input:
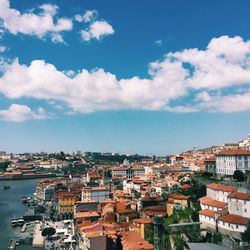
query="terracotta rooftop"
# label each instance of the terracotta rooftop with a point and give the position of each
(235, 219)
(234, 152)
(179, 197)
(212, 213)
(132, 241)
(210, 202)
(240, 196)
(143, 221)
(220, 187)
(86, 214)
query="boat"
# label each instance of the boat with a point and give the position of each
(20, 222)
(14, 222)
(12, 245)
(6, 187)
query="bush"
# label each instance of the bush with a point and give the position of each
(238, 175)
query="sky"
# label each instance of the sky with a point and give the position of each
(147, 77)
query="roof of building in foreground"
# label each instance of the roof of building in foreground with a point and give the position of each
(240, 196)
(234, 152)
(220, 187)
(235, 219)
(132, 241)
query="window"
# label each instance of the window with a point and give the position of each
(237, 226)
(245, 210)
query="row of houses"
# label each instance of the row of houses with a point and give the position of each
(225, 210)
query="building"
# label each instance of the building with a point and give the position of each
(132, 240)
(95, 193)
(219, 192)
(210, 165)
(230, 160)
(45, 191)
(66, 203)
(143, 227)
(239, 204)
(127, 172)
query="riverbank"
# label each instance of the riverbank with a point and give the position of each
(11, 207)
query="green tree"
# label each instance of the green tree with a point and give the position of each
(48, 232)
(238, 175)
(246, 235)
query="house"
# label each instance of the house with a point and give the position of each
(132, 241)
(214, 205)
(230, 160)
(219, 192)
(143, 227)
(208, 218)
(239, 204)
(180, 199)
(210, 165)
(233, 225)
(98, 237)
(95, 193)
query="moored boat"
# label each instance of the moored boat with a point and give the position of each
(14, 222)
(20, 222)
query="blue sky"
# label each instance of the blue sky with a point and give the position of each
(123, 76)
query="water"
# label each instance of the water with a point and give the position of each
(11, 207)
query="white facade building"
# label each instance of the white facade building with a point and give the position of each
(219, 192)
(230, 160)
(239, 204)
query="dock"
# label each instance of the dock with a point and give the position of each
(38, 238)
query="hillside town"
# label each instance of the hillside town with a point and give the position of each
(198, 199)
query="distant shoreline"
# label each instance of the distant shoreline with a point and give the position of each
(24, 177)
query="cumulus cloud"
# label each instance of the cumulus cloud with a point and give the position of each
(97, 30)
(88, 16)
(43, 24)
(191, 80)
(20, 113)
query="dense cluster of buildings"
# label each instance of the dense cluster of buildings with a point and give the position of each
(119, 206)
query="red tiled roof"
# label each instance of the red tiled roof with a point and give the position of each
(212, 213)
(207, 212)
(132, 241)
(143, 221)
(234, 152)
(220, 187)
(240, 196)
(210, 202)
(235, 219)
(179, 197)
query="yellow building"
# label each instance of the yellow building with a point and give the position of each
(179, 199)
(142, 226)
(66, 202)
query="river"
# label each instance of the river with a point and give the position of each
(11, 207)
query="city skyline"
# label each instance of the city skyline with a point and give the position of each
(152, 78)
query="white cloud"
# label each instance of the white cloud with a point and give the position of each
(97, 30)
(20, 113)
(2, 49)
(201, 76)
(158, 42)
(88, 16)
(42, 25)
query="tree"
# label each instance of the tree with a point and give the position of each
(246, 235)
(238, 175)
(48, 231)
